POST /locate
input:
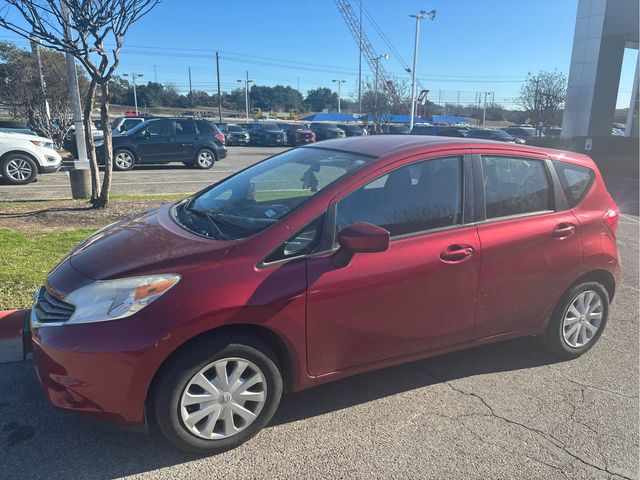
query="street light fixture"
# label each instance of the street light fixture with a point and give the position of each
(339, 82)
(246, 95)
(376, 60)
(135, 95)
(420, 16)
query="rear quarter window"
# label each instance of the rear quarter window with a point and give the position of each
(575, 180)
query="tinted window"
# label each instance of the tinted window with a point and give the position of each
(575, 181)
(206, 128)
(159, 128)
(234, 128)
(127, 124)
(415, 198)
(185, 127)
(270, 127)
(515, 185)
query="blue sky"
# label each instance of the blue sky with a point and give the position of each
(471, 46)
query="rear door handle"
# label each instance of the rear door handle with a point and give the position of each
(456, 253)
(563, 230)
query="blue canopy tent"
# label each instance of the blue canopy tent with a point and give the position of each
(332, 117)
(401, 119)
(446, 119)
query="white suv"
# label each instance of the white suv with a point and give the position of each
(23, 156)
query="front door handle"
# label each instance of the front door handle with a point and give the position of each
(456, 253)
(563, 230)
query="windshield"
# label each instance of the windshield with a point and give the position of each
(270, 127)
(234, 128)
(502, 134)
(261, 195)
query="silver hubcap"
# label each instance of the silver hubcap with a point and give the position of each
(223, 398)
(205, 159)
(124, 160)
(19, 169)
(582, 319)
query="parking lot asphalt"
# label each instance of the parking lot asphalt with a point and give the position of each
(147, 179)
(504, 411)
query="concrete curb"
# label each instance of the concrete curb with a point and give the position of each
(11, 322)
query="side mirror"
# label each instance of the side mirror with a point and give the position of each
(360, 237)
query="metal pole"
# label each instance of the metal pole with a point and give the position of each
(79, 176)
(135, 93)
(246, 97)
(484, 110)
(219, 94)
(190, 87)
(632, 103)
(35, 48)
(360, 64)
(413, 73)
(339, 82)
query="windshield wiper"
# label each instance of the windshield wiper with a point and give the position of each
(207, 215)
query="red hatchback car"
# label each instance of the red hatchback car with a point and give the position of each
(323, 262)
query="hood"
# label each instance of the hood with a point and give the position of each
(24, 136)
(149, 243)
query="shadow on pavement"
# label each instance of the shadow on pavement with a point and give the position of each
(36, 439)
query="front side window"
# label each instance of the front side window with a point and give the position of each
(575, 181)
(418, 197)
(264, 193)
(159, 128)
(514, 186)
(303, 242)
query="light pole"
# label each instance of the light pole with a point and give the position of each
(484, 109)
(420, 16)
(339, 82)
(376, 60)
(135, 94)
(246, 95)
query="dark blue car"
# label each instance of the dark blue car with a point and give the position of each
(194, 142)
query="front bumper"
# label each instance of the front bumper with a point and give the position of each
(101, 369)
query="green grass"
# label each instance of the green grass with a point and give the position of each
(25, 260)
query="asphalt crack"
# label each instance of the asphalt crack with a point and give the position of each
(592, 387)
(541, 433)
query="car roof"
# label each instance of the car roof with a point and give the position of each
(384, 145)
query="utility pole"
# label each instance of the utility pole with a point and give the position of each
(219, 94)
(246, 95)
(135, 93)
(360, 62)
(190, 88)
(375, 83)
(35, 49)
(79, 177)
(484, 110)
(339, 82)
(420, 16)
(155, 73)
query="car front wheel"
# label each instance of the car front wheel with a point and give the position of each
(578, 320)
(123, 160)
(217, 394)
(19, 169)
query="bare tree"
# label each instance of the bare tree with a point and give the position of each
(388, 99)
(94, 24)
(542, 96)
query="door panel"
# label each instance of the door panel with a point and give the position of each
(185, 139)
(159, 146)
(525, 268)
(387, 304)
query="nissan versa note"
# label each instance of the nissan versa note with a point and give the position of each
(318, 263)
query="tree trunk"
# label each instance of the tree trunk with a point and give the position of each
(88, 136)
(103, 201)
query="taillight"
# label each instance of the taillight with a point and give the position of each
(220, 137)
(611, 218)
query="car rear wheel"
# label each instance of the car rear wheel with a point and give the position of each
(123, 160)
(578, 320)
(217, 394)
(19, 169)
(205, 159)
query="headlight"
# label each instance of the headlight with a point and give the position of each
(106, 300)
(98, 143)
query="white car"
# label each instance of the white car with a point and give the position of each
(23, 157)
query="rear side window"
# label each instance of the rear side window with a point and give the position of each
(411, 199)
(514, 186)
(206, 128)
(575, 181)
(185, 127)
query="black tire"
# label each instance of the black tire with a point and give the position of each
(19, 169)
(123, 164)
(205, 159)
(553, 338)
(175, 377)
